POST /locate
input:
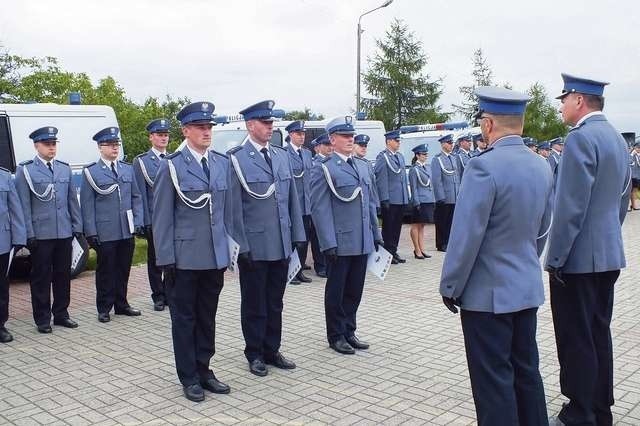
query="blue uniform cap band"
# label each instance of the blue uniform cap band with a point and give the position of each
(587, 86)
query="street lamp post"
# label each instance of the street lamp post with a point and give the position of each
(360, 31)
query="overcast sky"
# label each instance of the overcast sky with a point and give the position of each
(303, 52)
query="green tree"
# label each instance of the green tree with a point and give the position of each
(482, 76)
(306, 115)
(402, 92)
(542, 120)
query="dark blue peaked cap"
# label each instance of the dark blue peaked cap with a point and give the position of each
(587, 86)
(392, 134)
(529, 141)
(501, 101)
(362, 139)
(446, 138)
(296, 126)
(48, 133)
(323, 139)
(544, 145)
(423, 147)
(107, 134)
(556, 141)
(197, 112)
(161, 125)
(262, 111)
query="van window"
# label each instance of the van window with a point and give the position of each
(310, 134)
(7, 159)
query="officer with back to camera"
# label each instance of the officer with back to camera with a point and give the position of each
(13, 236)
(191, 219)
(146, 166)
(111, 214)
(301, 162)
(265, 202)
(344, 212)
(52, 217)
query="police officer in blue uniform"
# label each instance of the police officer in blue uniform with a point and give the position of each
(391, 182)
(463, 155)
(320, 147)
(146, 166)
(493, 273)
(555, 153)
(635, 174)
(479, 143)
(302, 162)
(544, 150)
(585, 252)
(191, 217)
(52, 217)
(265, 203)
(360, 146)
(344, 212)
(422, 199)
(531, 143)
(13, 236)
(112, 213)
(445, 179)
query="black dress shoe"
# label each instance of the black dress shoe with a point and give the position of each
(295, 281)
(65, 322)
(394, 261)
(128, 311)
(342, 346)
(279, 361)
(194, 392)
(357, 343)
(418, 257)
(44, 329)
(398, 258)
(303, 278)
(427, 256)
(214, 385)
(104, 317)
(159, 305)
(258, 368)
(322, 274)
(443, 249)
(306, 267)
(5, 336)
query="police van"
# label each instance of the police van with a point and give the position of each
(412, 136)
(231, 131)
(76, 126)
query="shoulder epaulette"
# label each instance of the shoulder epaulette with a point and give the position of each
(219, 153)
(234, 150)
(62, 162)
(89, 165)
(124, 162)
(305, 148)
(485, 151)
(24, 163)
(142, 155)
(278, 146)
(325, 159)
(361, 159)
(5, 170)
(173, 154)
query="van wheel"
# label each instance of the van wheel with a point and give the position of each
(82, 263)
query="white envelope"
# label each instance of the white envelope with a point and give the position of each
(234, 250)
(76, 253)
(379, 262)
(132, 227)
(9, 264)
(294, 265)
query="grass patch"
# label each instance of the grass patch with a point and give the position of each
(139, 255)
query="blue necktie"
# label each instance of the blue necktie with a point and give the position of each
(205, 167)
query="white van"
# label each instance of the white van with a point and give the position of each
(76, 126)
(412, 136)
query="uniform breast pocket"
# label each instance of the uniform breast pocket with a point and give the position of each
(343, 182)
(192, 185)
(254, 228)
(284, 175)
(256, 177)
(185, 234)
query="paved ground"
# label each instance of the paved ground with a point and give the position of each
(415, 373)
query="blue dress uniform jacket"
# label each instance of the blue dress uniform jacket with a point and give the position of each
(265, 227)
(302, 176)
(462, 157)
(593, 182)
(635, 165)
(151, 163)
(506, 191)
(420, 184)
(445, 178)
(192, 239)
(12, 228)
(554, 160)
(391, 178)
(350, 227)
(106, 215)
(58, 217)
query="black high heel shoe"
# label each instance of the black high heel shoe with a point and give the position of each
(418, 257)
(426, 256)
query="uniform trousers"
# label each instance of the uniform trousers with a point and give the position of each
(342, 295)
(306, 222)
(319, 262)
(502, 355)
(443, 218)
(112, 274)
(4, 289)
(391, 226)
(582, 310)
(193, 303)
(262, 288)
(51, 269)
(156, 280)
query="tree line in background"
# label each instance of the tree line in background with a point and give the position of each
(400, 89)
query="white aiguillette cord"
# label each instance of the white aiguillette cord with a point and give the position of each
(243, 182)
(386, 157)
(327, 176)
(143, 168)
(427, 185)
(200, 202)
(47, 194)
(96, 188)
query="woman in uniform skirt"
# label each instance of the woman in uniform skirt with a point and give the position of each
(422, 200)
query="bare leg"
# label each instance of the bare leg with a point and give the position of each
(415, 236)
